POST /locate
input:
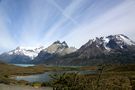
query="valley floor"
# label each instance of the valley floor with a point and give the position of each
(108, 77)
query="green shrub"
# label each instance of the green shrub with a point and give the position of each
(36, 84)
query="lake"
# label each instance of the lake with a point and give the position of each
(24, 65)
(45, 77)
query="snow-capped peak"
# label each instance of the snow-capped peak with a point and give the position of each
(111, 42)
(121, 39)
(32, 53)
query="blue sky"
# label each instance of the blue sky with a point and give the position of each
(33, 23)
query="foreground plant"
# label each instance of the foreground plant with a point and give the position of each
(75, 81)
(71, 81)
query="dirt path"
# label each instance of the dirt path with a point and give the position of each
(14, 87)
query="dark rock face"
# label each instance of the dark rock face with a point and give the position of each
(17, 59)
(43, 57)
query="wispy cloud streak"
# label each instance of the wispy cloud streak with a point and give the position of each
(67, 16)
(117, 20)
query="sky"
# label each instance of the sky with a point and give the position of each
(34, 23)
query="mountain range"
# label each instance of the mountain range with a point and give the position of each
(118, 49)
(23, 55)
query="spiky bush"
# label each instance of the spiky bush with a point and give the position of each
(71, 81)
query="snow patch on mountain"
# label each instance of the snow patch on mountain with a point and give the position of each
(118, 40)
(126, 40)
(32, 53)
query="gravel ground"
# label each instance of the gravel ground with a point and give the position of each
(16, 87)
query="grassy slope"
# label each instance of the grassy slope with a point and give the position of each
(120, 77)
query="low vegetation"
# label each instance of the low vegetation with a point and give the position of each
(109, 77)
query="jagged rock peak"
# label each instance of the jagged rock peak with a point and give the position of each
(57, 42)
(18, 48)
(118, 38)
(118, 41)
(60, 48)
(60, 43)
